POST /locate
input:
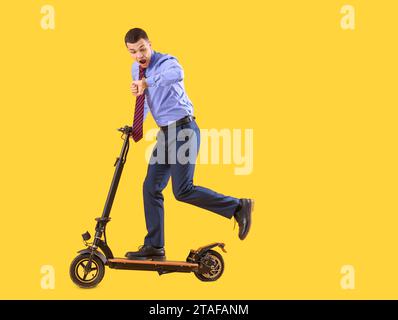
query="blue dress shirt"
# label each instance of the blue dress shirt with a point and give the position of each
(165, 96)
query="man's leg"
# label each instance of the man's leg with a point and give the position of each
(156, 180)
(182, 179)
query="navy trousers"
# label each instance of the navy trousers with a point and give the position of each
(169, 159)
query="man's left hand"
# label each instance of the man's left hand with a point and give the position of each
(141, 85)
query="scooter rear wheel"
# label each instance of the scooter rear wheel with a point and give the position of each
(215, 262)
(87, 277)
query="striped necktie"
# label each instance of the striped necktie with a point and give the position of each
(139, 113)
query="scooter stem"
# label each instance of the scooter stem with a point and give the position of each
(118, 172)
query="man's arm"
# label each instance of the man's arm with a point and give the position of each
(170, 72)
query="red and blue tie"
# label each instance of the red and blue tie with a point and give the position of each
(139, 113)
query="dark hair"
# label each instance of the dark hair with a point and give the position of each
(133, 35)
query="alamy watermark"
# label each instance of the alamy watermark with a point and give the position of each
(347, 21)
(181, 146)
(47, 280)
(347, 281)
(47, 21)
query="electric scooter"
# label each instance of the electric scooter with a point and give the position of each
(88, 268)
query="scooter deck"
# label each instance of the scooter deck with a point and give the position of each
(152, 265)
(159, 262)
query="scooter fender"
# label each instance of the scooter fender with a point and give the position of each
(204, 249)
(195, 255)
(97, 253)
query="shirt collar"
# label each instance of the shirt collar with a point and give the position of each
(153, 58)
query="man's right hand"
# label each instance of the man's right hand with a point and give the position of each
(134, 89)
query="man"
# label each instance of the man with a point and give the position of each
(158, 86)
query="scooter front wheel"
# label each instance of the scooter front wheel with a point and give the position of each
(86, 274)
(215, 263)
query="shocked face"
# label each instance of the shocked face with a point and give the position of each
(141, 52)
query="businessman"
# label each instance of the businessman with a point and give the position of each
(158, 85)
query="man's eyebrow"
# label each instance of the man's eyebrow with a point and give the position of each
(138, 48)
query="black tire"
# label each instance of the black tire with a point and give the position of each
(216, 262)
(95, 275)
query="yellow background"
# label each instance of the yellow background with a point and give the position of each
(322, 103)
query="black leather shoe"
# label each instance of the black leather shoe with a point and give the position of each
(147, 253)
(244, 217)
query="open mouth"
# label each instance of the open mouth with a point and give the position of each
(143, 61)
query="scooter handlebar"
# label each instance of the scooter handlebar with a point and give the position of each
(126, 130)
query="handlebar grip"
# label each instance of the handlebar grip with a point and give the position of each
(126, 129)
